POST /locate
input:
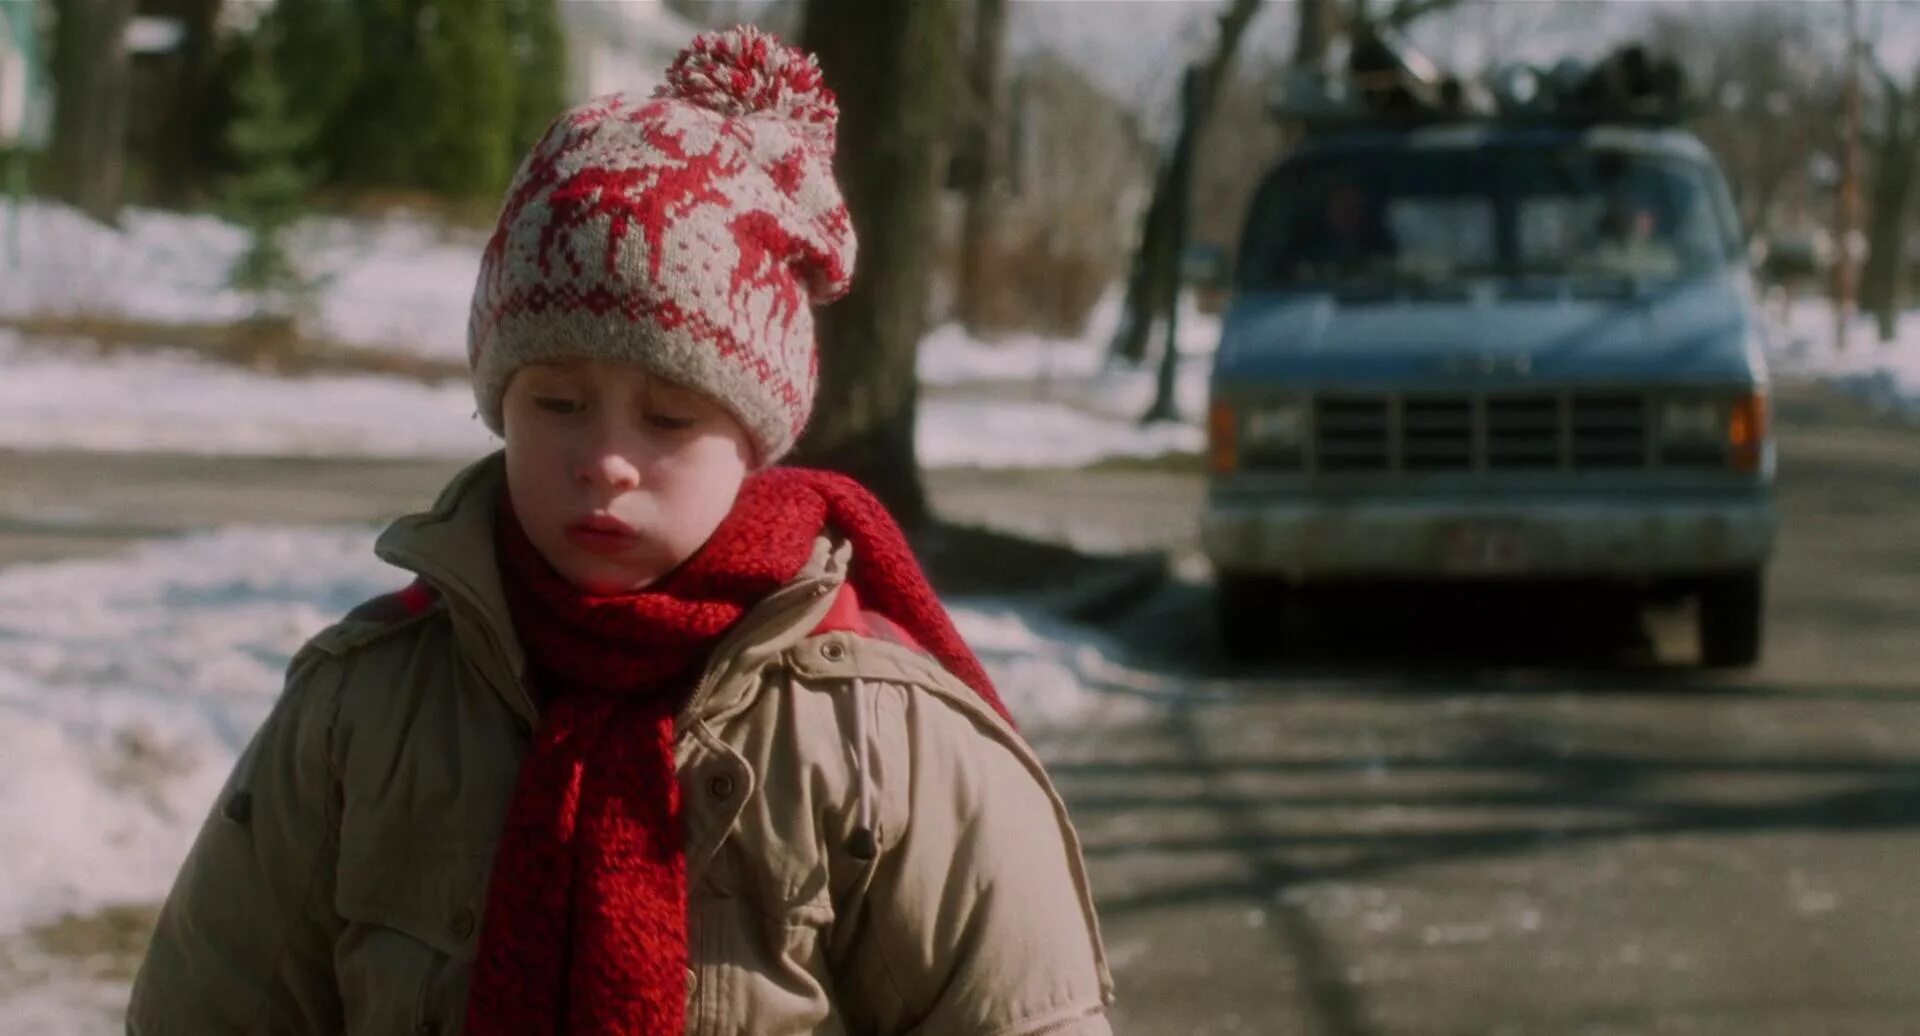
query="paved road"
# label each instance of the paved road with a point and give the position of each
(1448, 820)
(1435, 824)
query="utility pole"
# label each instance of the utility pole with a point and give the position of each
(1847, 286)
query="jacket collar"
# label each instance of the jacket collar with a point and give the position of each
(451, 545)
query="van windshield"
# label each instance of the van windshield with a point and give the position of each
(1439, 217)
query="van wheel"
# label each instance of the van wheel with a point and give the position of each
(1251, 613)
(1732, 620)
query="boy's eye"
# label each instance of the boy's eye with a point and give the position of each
(669, 424)
(557, 405)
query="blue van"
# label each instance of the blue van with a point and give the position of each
(1493, 349)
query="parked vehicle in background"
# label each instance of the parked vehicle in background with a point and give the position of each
(1508, 345)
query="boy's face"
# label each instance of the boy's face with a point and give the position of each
(616, 475)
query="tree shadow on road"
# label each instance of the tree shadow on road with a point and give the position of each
(1505, 781)
(1630, 784)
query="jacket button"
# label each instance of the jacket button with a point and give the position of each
(463, 924)
(833, 651)
(720, 787)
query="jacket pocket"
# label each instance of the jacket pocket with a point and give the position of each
(758, 971)
(412, 913)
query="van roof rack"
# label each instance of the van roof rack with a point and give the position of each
(1387, 84)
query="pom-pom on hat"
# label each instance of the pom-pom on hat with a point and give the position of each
(690, 232)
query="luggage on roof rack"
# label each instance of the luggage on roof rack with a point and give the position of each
(1387, 83)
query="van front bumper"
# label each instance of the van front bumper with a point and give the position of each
(1470, 539)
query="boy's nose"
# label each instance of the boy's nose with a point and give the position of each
(609, 469)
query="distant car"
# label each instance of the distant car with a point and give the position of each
(1798, 258)
(1487, 350)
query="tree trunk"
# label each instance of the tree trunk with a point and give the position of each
(1197, 92)
(1313, 32)
(986, 130)
(1893, 170)
(189, 143)
(1145, 275)
(891, 65)
(91, 71)
(1154, 276)
(1880, 281)
(1193, 102)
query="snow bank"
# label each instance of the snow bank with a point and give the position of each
(399, 282)
(1886, 375)
(951, 356)
(403, 283)
(176, 402)
(128, 685)
(960, 433)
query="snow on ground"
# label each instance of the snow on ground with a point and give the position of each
(405, 284)
(1079, 406)
(129, 684)
(1885, 375)
(163, 267)
(1051, 673)
(400, 282)
(961, 433)
(74, 398)
(951, 356)
(54, 1000)
(70, 398)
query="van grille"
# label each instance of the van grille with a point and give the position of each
(1504, 432)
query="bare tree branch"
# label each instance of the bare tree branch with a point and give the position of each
(1233, 20)
(1897, 97)
(1888, 81)
(1405, 12)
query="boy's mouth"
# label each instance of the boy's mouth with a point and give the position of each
(602, 534)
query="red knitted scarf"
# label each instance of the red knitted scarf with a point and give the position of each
(585, 930)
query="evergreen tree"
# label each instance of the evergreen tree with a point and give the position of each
(374, 138)
(467, 76)
(540, 65)
(429, 95)
(268, 192)
(318, 55)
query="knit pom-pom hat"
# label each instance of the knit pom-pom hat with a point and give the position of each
(690, 232)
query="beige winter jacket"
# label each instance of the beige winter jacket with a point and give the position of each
(338, 882)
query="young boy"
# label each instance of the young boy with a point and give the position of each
(662, 739)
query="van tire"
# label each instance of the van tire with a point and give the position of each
(1732, 620)
(1251, 615)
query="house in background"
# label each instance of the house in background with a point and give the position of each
(26, 97)
(26, 83)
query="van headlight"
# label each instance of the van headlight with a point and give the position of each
(1728, 431)
(1275, 433)
(1693, 422)
(1265, 434)
(1275, 427)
